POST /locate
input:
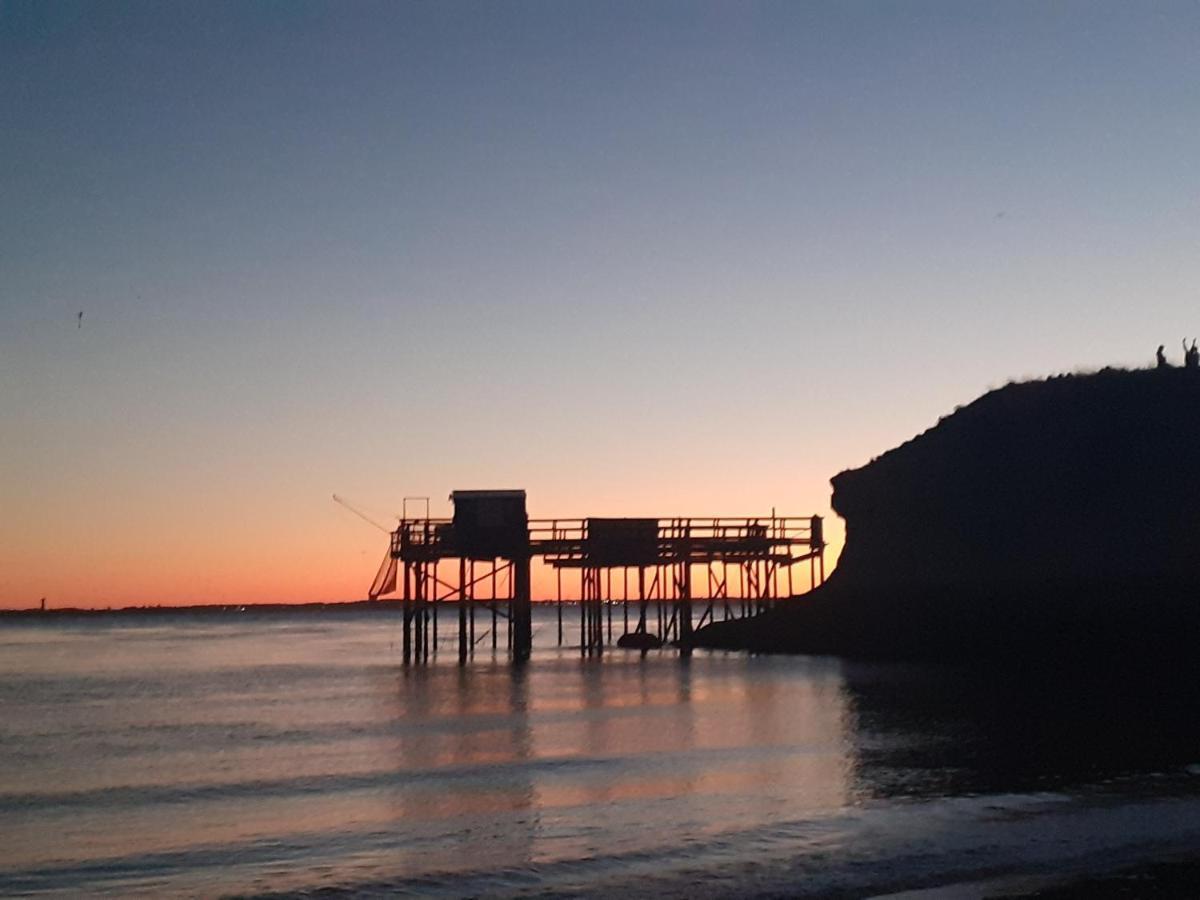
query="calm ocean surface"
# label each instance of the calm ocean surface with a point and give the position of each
(291, 753)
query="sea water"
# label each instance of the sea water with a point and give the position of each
(292, 753)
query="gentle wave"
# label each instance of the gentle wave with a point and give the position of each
(426, 778)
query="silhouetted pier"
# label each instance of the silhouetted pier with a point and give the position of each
(663, 571)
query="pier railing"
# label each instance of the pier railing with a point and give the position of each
(573, 542)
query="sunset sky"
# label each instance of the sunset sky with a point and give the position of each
(636, 258)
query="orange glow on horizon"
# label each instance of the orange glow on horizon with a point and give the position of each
(185, 565)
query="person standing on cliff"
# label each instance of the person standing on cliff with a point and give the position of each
(1191, 356)
(1162, 358)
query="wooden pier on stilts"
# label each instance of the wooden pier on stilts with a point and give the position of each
(664, 571)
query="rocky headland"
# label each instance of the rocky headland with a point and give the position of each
(1048, 519)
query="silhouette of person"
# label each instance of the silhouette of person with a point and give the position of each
(1191, 356)
(1162, 358)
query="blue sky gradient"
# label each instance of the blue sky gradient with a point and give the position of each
(636, 258)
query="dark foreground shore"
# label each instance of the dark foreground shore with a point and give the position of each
(1171, 878)
(1175, 877)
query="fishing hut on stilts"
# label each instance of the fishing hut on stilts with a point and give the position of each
(672, 575)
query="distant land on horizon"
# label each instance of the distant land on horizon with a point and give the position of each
(223, 608)
(191, 608)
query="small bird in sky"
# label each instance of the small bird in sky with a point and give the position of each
(79, 320)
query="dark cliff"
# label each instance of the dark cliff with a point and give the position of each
(1059, 516)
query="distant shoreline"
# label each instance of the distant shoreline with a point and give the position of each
(213, 608)
(224, 608)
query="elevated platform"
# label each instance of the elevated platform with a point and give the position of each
(667, 570)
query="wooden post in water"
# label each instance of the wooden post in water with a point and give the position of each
(471, 603)
(426, 615)
(608, 600)
(408, 614)
(625, 599)
(462, 612)
(419, 611)
(585, 621)
(598, 606)
(433, 600)
(684, 607)
(641, 599)
(583, 644)
(661, 578)
(430, 597)
(522, 609)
